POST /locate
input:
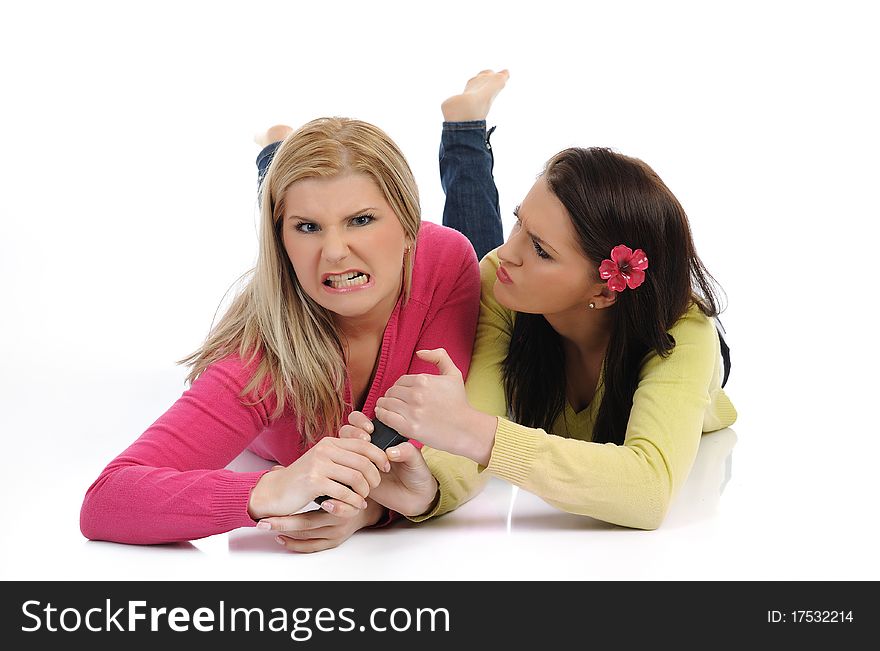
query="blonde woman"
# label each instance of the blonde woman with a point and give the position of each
(348, 285)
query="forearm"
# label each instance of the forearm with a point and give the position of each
(630, 485)
(144, 505)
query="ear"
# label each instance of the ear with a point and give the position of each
(603, 296)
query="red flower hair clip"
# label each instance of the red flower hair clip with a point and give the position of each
(626, 268)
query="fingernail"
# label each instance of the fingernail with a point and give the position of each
(394, 453)
(327, 505)
(366, 438)
(263, 525)
(387, 467)
(365, 504)
(279, 540)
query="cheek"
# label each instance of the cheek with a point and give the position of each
(557, 289)
(385, 247)
(301, 257)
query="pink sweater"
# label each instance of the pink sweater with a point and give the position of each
(171, 484)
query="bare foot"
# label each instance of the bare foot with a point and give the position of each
(272, 134)
(477, 98)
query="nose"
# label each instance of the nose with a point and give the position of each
(335, 246)
(508, 253)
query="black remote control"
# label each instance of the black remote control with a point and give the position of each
(383, 437)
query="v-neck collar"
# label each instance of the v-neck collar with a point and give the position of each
(373, 394)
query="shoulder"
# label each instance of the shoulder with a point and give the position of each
(232, 372)
(489, 267)
(230, 379)
(445, 262)
(694, 327)
(440, 244)
(694, 354)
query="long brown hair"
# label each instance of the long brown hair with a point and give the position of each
(611, 199)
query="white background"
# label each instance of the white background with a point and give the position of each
(127, 191)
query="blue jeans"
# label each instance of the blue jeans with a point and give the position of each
(466, 164)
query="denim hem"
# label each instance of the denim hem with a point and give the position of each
(462, 126)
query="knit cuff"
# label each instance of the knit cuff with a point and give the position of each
(231, 496)
(513, 454)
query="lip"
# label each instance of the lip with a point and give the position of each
(503, 276)
(346, 290)
(325, 276)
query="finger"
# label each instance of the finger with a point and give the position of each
(353, 432)
(359, 419)
(354, 479)
(408, 380)
(277, 467)
(404, 394)
(407, 454)
(340, 509)
(441, 359)
(298, 522)
(306, 546)
(394, 421)
(340, 491)
(394, 405)
(364, 449)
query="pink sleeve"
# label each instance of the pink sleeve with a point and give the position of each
(170, 485)
(454, 325)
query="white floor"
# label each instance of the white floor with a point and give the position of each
(743, 513)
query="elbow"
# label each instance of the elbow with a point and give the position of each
(95, 516)
(646, 509)
(88, 521)
(650, 520)
(653, 508)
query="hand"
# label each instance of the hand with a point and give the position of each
(409, 488)
(434, 410)
(345, 470)
(315, 531)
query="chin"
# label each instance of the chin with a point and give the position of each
(502, 295)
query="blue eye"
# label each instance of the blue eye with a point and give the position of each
(362, 220)
(307, 227)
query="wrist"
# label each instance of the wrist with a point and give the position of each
(480, 437)
(426, 507)
(374, 513)
(260, 498)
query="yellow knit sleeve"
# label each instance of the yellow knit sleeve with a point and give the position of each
(484, 386)
(630, 484)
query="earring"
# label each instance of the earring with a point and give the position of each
(592, 305)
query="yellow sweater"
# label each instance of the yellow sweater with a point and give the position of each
(677, 399)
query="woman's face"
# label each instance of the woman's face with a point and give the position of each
(345, 243)
(543, 269)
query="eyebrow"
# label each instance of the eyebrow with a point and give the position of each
(534, 235)
(362, 211)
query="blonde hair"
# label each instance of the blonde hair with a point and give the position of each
(302, 353)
